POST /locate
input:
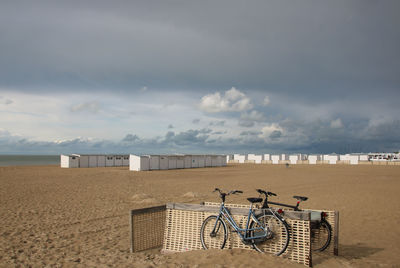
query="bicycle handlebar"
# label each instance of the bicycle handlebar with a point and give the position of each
(223, 195)
(266, 193)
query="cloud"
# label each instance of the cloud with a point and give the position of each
(244, 123)
(337, 123)
(219, 132)
(91, 107)
(196, 121)
(217, 123)
(266, 101)
(187, 138)
(271, 131)
(5, 101)
(249, 119)
(289, 136)
(130, 138)
(232, 101)
(252, 116)
(250, 133)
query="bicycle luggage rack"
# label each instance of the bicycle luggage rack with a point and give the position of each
(176, 227)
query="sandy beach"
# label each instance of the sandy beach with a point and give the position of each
(80, 217)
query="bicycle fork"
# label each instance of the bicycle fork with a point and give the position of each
(217, 225)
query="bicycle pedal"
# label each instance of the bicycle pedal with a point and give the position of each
(259, 240)
(247, 242)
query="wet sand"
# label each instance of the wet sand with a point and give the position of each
(80, 217)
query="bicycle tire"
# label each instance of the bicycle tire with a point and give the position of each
(321, 236)
(221, 235)
(278, 241)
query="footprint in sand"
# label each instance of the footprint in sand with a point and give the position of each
(191, 195)
(143, 199)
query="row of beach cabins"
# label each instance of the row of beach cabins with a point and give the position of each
(143, 162)
(86, 160)
(175, 161)
(350, 159)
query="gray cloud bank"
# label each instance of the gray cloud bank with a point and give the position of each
(317, 137)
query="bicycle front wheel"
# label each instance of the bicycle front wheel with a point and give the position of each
(213, 233)
(278, 236)
(321, 235)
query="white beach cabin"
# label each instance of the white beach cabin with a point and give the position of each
(92, 160)
(312, 159)
(118, 161)
(275, 159)
(83, 161)
(101, 160)
(267, 157)
(208, 161)
(110, 159)
(139, 163)
(69, 161)
(180, 161)
(293, 159)
(171, 162)
(201, 161)
(125, 160)
(164, 164)
(154, 162)
(195, 161)
(188, 161)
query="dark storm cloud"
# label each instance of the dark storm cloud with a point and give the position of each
(311, 49)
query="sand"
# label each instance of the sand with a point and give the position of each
(80, 217)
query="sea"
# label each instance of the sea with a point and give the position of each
(29, 160)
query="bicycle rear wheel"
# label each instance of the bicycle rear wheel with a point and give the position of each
(321, 235)
(277, 240)
(213, 233)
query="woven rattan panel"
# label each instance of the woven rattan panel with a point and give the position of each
(147, 228)
(298, 249)
(182, 233)
(332, 217)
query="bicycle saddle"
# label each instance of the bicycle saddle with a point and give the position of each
(300, 198)
(254, 200)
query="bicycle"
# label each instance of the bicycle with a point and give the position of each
(321, 230)
(265, 232)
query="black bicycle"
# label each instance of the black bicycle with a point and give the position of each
(321, 230)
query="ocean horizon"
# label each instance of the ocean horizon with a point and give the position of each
(29, 160)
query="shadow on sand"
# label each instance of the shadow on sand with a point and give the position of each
(347, 252)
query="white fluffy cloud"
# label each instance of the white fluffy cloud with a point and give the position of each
(271, 131)
(232, 101)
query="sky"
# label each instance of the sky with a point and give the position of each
(152, 77)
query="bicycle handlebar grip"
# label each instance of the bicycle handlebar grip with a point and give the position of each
(270, 193)
(238, 192)
(261, 191)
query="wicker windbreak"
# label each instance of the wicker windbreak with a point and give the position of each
(299, 249)
(147, 228)
(176, 227)
(182, 230)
